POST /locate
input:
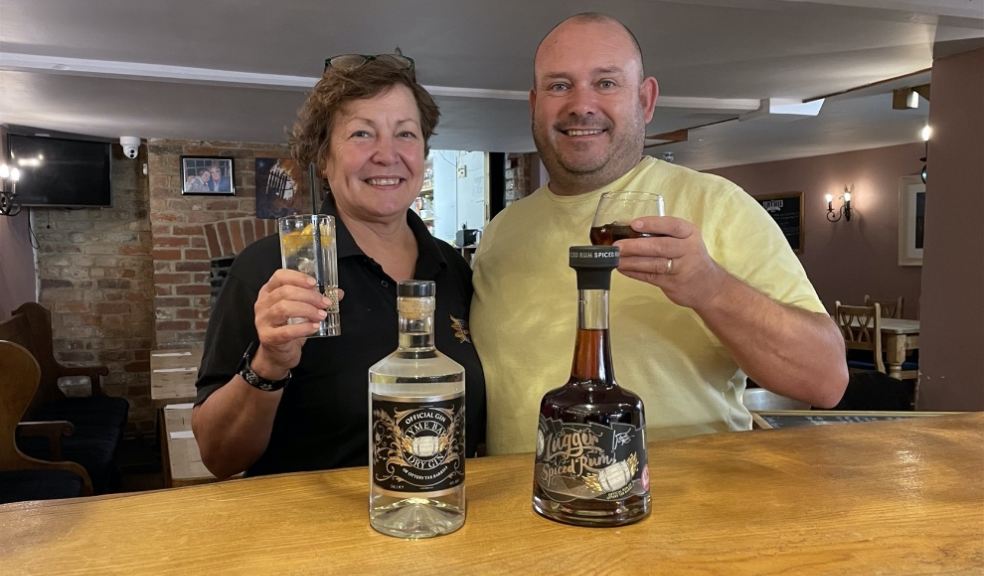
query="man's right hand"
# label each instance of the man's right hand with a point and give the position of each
(674, 258)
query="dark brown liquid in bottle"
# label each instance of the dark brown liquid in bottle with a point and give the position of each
(591, 395)
(608, 234)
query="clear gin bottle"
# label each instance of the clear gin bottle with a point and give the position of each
(416, 428)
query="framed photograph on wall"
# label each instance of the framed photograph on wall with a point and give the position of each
(912, 217)
(207, 175)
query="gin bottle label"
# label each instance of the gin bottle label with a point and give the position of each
(590, 461)
(418, 446)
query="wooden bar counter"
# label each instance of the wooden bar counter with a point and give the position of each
(899, 497)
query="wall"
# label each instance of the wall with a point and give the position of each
(952, 353)
(94, 268)
(522, 175)
(190, 230)
(124, 280)
(846, 260)
(472, 190)
(445, 165)
(18, 279)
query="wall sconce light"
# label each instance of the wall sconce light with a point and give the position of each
(8, 190)
(845, 208)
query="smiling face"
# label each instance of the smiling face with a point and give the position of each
(590, 104)
(375, 162)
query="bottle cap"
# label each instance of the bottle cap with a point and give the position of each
(594, 265)
(415, 289)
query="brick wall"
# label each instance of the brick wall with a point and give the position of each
(95, 270)
(189, 231)
(519, 171)
(124, 280)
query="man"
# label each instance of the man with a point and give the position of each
(219, 182)
(719, 295)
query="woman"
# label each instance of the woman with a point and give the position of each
(206, 178)
(199, 183)
(366, 126)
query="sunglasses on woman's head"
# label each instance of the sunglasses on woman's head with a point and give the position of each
(346, 62)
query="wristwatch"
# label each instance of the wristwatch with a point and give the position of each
(254, 379)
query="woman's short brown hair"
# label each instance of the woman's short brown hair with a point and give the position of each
(311, 136)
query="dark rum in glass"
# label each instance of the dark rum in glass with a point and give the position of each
(608, 234)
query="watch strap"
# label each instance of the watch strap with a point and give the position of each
(254, 379)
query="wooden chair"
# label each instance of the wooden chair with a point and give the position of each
(861, 328)
(23, 477)
(30, 326)
(893, 308)
(99, 420)
(890, 307)
(869, 387)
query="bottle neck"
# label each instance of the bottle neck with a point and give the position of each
(592, 349)
(416, 323)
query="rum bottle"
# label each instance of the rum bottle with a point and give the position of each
(591, 466)
(416, 428)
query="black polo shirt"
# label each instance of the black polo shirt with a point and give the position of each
(323, 418)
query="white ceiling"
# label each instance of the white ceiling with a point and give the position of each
(238, 69)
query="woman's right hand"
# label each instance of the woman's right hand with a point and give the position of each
(288, 294)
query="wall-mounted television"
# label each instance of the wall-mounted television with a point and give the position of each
(71, 173)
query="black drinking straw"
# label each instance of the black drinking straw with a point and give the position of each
(314, 184)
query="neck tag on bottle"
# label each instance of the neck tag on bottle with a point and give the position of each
(594, 257)
(594, 265)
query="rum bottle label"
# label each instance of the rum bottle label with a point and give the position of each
(590, 461)
(418, 446)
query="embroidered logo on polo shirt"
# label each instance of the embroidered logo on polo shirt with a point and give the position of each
(460, 329)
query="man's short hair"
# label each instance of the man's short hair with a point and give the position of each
(596, 17)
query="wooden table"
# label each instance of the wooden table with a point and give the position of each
(899, 335)
(172, 381)
(770, 419)
(899, 497)
(184, 461)
(172, 375)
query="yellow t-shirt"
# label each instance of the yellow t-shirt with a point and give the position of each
(524, 312)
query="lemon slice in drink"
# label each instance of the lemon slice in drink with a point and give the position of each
(291, 243)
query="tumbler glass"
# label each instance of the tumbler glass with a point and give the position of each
(307, 244)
